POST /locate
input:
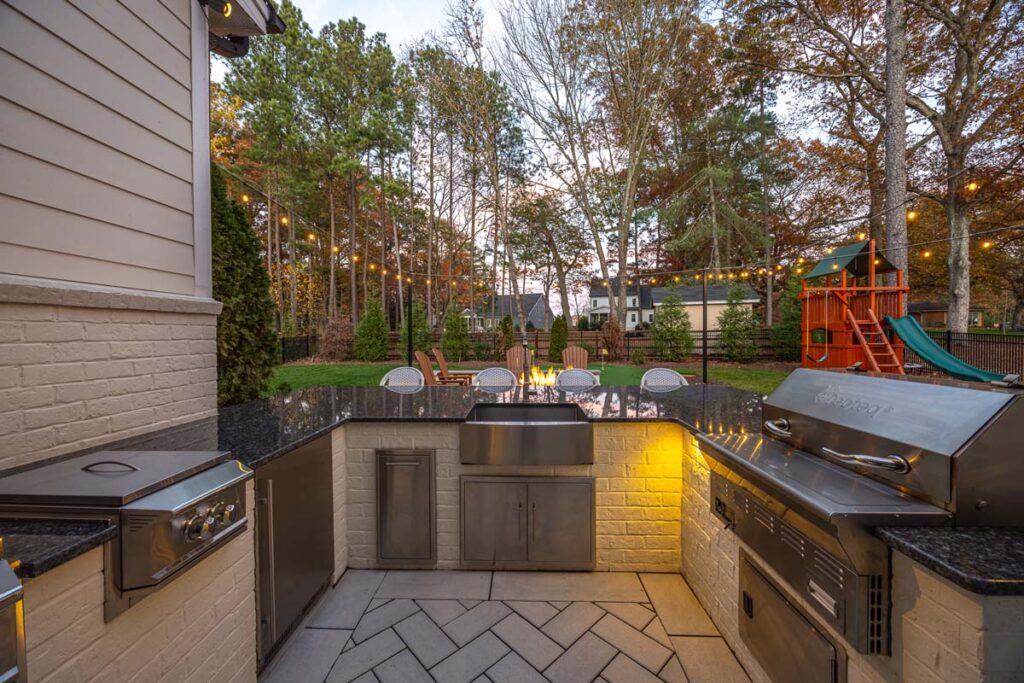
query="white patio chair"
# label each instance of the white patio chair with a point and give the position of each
(575, 379)
(495, 380)
(403, 380)
(662, 379)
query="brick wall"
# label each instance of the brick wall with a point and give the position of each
(72, 377)
(940, 632)
(200, 627)
(637, 482)
(340, 484)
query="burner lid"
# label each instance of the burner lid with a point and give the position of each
(105, 478)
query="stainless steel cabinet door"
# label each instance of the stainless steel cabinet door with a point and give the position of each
(561, 522)
(405, 508)
(494, 519)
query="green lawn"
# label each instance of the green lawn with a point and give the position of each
(287, 377)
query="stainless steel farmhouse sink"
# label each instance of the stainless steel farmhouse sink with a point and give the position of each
(526, 434)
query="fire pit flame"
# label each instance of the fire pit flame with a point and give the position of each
(539, 378)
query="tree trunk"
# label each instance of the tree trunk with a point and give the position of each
(294, 272)
(959, 248)
(353, 296)
(332, 302)
(896, 143)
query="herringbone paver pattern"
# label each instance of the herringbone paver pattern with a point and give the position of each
(402, 637)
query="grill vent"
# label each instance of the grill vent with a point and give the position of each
(139, 521)
(764, 518)
(792, 538)
(829, 567)
(876, 621)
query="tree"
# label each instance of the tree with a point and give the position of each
(506, 336)
(670, 331)
(371, 342)
(246, 341)
(421, 339)
(336, 340)
(785, 334)
(559, 339)
(455, 338)
(737, 328)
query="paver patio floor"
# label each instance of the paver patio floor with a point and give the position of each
(380, 626)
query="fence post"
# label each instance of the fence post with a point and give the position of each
(307, 345)
(949, 339)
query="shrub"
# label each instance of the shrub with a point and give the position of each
(506, 336)
(785, 334)
(737, 327)
(583, 324)
(336, 339)
(589, 348)
(559, 339)
(670, 332)
(638, 357)
(421, 339)
(246, 340)
(612, 339)
(455, 337)
(482, 351)
(371, 341)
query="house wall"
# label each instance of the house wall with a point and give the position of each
(106, 325)
(96, 163)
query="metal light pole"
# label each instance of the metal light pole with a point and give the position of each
(704, 326)
(408, 329)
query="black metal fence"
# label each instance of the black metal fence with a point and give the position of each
(993, 352)
(297, 348)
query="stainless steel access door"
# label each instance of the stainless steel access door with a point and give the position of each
(561, 521)
(405, 509)
(787, 644)
(494, 521)
(295, 537)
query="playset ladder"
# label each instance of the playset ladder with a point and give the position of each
(877, 349)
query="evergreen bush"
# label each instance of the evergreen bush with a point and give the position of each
(246, 340)
(785, 334)
(559, 339)
(421, 340)
(506, 337)
(670, 332)
(371, 343)
(455, 337)
(737, 326)
(336, 339)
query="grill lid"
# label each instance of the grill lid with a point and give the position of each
(105, 478)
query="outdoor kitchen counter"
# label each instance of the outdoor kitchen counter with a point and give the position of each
(987, 561)
(35, 546)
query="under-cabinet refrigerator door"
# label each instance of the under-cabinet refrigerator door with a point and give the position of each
(405, 508)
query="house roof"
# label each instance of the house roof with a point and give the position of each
(598, 290)
(692, 294)
(533, 303)
(853, 258)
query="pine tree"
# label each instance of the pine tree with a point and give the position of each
(371, 342)
(506, 335)
(420, 332)
(785, 334)
(737, 327)
(670, 331)
(455, 338)
(559, 339)
(246, 342)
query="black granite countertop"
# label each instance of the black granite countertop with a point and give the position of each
(35, 546)
(989, 561)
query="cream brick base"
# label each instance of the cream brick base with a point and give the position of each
(637, 479)
(76, 376)
(201, 627)
(940, 632)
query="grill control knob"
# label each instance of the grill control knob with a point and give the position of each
(223, 514)
(199, 528)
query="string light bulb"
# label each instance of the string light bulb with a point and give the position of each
(862, 235)
(284, 220)
(675, 278)
(373, 266)
(835, 266)
(986, 244)
(912, 215)
(245, 199)
(972, 186)
(336, 248)
(355, 258)
(384, 271)
(926, 253)
(312, 237)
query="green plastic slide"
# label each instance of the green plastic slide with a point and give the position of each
(914, 336)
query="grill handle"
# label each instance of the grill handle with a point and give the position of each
(893, 463)
(778, 427)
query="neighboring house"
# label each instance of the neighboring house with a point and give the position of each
(692, 299)
(107, 324)
(936, 314)
(639, 304)
(643, 301)
(488, 317)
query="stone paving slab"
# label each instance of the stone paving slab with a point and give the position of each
(527, 640)
(625, 670)
(435, 585)
(632, 613)
(307, 656)
(535, 612)
(425, 639)
(581, 662)
(708, 660)
(514, 669)
(680, 612)
(402, 668)
(442, 611)
(471, 661)
(572, 586)
(633, 643)
(343, 605)
(381, 618)
(476, 621)
(365, 656)
(573, 622)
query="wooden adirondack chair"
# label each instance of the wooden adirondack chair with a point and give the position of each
(442, 370)
(429, 378)
(575, 357)
(514, 360)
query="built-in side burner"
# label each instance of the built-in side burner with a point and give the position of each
(171, 508)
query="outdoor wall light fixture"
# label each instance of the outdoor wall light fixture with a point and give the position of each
(219, 6)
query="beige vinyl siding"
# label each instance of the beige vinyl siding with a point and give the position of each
(96, 165)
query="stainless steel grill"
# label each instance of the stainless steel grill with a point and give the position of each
(171, 508)
(843, 453)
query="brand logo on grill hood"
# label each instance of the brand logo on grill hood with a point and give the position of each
(833, 396)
